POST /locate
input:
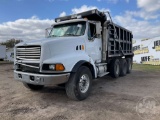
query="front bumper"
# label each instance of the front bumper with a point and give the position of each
(41, 79)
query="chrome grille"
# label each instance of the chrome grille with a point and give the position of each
(28, 52)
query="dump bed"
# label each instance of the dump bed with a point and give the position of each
(119, 41)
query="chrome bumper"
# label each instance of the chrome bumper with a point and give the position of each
(41, 79)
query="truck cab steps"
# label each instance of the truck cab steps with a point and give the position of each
(103, 74)
(101, 69)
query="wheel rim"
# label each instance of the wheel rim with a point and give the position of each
(84, 83)
(117, 68)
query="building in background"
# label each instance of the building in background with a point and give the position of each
(2, 52)
(147, 51)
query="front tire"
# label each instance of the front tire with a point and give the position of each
(79, 85)
(33, 87)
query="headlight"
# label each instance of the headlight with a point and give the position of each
(53, 67)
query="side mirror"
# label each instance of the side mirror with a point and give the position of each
(98, 28)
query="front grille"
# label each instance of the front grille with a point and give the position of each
(28, 52)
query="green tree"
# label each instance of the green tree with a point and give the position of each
(11, 43)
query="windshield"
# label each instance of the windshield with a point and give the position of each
(68, 29)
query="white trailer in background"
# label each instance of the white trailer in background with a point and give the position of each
(147, 51)
(10, 54)
(2, 52)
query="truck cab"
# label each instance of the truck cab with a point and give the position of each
(74, 52)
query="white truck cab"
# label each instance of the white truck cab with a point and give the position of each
(74, 52)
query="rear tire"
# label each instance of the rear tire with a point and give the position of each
(33, 87)
(129, 65)
(115, 68)
(123, 67)
(79, 85)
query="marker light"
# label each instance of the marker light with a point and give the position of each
(82, 47)
(79, 16)
(58, 20)
(59, 67)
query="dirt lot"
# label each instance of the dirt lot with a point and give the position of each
(133, 97)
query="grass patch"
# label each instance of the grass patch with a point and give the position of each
(143, 67)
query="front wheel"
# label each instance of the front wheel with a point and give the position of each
(79, 85)
(33, 87)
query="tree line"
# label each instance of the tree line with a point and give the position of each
(11, 43)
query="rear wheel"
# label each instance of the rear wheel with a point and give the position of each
(129, 65)
(123, 67)
(33, 87)
(115, 68)
(79, 85)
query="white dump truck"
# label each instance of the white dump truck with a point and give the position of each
(77, 49)
(2, 52)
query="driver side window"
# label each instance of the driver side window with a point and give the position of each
(91, 31)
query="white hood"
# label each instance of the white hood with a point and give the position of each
(47, 40)
(55, 46)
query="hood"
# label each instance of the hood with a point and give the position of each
(47, 40)
(55, 46)
(65, 45)
(35, 42)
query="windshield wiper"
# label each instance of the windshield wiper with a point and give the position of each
(70, 34)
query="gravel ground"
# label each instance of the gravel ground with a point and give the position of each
(133, 97)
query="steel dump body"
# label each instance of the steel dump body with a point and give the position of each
(119, 41)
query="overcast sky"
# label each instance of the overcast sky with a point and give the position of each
(27, 19)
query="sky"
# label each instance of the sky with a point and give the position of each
(28, 19)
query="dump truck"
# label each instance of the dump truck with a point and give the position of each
(77, 50)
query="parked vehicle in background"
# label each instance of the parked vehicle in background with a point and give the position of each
(2, 52)
(78, 49)
(10, 54)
